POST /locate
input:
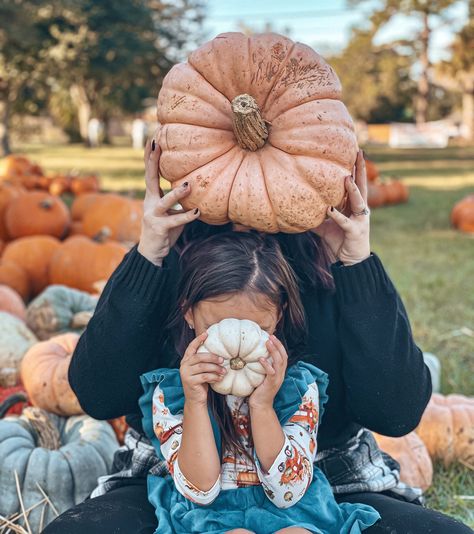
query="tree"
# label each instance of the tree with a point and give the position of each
(457, 74)
(375, 79)
(421, 44)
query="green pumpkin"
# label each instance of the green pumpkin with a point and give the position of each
(65, 456)
(59, 309)
(15, 339)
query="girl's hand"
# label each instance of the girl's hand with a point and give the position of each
(161, 225)
(198, 370)
(347, 233)
(264, 394)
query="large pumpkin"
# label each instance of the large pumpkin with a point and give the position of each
(80, 262)
(33, 254)
(15, 339)
(65, 456)
(82, 204)
(447, 428)
(462, 215)
(257, 127)
(59, 309)
(115, 216)
(416, 467)
(15, 276)
(8, 192)
(241, 343)
(37, 213)
(44, 371)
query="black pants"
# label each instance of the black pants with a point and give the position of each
(127, 511)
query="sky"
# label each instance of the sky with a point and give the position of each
(326, 25)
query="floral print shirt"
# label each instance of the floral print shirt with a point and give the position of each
(287, 479)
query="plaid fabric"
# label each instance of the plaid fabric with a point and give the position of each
(359, 466)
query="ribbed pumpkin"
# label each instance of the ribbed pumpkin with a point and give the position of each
(15, 339)
(447, 428)
(33, 254)
(462, 215)
(11, 302)
(59, 309)
(82, 203)
(8, 192)
(257, 126)
(416, 467)
(65, 456)
(115, 216)
(14, 276)
(37, 213)
(44, 375)
(80, 262)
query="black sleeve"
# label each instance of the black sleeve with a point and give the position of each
(387, 383)
(125, 337)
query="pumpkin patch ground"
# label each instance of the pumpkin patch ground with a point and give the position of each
(428, 258)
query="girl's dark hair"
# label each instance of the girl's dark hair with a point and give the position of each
(236, 262)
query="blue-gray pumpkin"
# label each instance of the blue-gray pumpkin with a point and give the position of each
(64, 456)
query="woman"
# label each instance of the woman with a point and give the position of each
(358, 331)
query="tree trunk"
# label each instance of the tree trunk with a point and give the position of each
(4, 127)
(83, 107)
(423, 82)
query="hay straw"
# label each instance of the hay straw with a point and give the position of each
(48, 499)
(20, 498)
(12, 526)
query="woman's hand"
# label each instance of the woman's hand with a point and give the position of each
(161, 225)
(198, 370)
(347, 233)
(264, 394)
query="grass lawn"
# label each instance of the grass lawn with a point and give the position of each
(431, 264)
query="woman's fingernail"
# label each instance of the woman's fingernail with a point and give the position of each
(332, 208)
(221, 359)
(185, 185)
(196, 211)
(153, 145)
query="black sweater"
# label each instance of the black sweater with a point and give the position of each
(359, 334)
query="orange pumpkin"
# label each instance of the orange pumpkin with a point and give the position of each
(33, 254)
(8, 192)
(372, 171)
(256, 125)
(37, 213)
(82, 204)
(376, 196)
(416, 467)
(15, 166)
(116, 217)
(44, 370)
(80, 262)
(84, 184)
(15, 276)
(396, 192)
(11, 302)
(447, 428)
(59, 185)
(462, 215)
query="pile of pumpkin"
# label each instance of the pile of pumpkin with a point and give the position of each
(51, 453)
(383, 193)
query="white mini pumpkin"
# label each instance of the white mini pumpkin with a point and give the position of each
(241, 343)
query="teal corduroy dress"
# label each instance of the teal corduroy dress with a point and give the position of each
(248, 507)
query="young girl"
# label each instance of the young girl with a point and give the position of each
(241, 464)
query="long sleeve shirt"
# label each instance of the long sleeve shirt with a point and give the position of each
(358, 334)
(286, 480)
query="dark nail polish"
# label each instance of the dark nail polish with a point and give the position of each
(196, 211)
(332, 208)
(153, 145)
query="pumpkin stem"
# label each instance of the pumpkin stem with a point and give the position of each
(249, 127)
(81, 319)
(47, 203)
(237, 363)
(102, 235)
(46, 432)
